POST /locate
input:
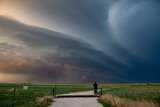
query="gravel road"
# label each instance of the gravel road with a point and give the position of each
(77, 102)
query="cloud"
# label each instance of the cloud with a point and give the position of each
(135, 25)
(101, 40)
(85, 19)
(46, 56)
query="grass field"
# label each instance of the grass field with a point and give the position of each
(132, 95)
(29, 97)
(114, 95)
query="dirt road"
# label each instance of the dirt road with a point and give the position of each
(77, 102)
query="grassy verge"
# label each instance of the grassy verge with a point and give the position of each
(105, 103)
(114, 101)
(113, 95)
(39, 102)
(35, 96)
(131, 96)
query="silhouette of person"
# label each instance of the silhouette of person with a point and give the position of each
(95, 86)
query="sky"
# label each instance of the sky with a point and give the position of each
(79, 41)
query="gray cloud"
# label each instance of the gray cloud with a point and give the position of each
(47, 56)
(109, 39)
(136, 25)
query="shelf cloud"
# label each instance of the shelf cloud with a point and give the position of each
(61, 41)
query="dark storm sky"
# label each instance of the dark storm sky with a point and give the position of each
(79, 41)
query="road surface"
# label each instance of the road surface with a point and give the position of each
(77, 102)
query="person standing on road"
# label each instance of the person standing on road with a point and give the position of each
(95, 86)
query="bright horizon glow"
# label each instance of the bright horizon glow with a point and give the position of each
(11, 9)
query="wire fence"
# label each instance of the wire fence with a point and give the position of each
(18, 96)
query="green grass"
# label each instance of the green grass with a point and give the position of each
(25, 98)
(35, 90)
(62, 89)
(21, 96)
(135, 92)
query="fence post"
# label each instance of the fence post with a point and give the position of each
(14, 95)
(55, 90)
(101, 91)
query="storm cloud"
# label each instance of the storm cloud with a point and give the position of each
(84, 41)
(46, 56)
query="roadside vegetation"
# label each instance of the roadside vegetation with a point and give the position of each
(37, 95)
(133, 95)
(114, 95)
